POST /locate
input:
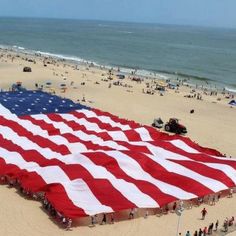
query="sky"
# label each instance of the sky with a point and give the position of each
(216, 13)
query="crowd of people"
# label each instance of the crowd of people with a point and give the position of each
(66, 222)
(212, 228)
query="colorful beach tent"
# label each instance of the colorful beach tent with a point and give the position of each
(232, 103)
(88, 161)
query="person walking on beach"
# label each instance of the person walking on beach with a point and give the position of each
(204, 212)
(195, 233)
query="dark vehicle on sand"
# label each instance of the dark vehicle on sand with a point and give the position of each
(174, 126)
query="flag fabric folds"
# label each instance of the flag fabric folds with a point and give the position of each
(88, 161)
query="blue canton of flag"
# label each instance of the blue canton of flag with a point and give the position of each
(37, 102)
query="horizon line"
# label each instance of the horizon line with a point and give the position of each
(121, 21)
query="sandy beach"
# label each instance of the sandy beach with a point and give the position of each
(212, 125)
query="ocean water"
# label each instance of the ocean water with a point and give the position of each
(204, 54)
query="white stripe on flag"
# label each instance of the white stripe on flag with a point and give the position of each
(182, 145)
(77, 190)
(104, 119)
(210, 183)
(228, 170)
(129, 190)
(133, 169)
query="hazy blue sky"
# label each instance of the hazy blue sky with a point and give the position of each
(192, 12)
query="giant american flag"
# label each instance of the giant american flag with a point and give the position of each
(88, 161)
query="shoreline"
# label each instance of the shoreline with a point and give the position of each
(191, 80)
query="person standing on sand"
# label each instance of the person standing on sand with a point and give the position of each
(231, 192)
(226, 224)
(95, 219)
(69, 224)
(211, 228)
(200, 201)
(166, 209)
(112, 218)
(104, 219)
(216, 225)
(131, 214)
(204, 212)
(146, 214)
(63, 220)
(213, 200)
(231, 221)
(200, 232)
(174, 206)
(92, 220)
(188, 233)
(205, 231)
(195, 233)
